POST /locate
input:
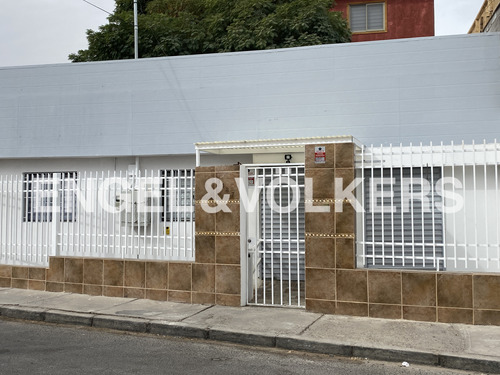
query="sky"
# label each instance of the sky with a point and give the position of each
(47, 31)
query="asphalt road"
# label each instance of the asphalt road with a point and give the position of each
(31, 348)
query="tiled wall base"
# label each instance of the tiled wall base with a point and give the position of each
(165, 281)
(421, 296)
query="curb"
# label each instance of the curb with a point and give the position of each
(297, 343)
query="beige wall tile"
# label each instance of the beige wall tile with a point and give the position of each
(320, 284)
(454, 290)
(419, 289)
(157, 275)
(135, 274)
(352, 286)
(93, 271)
(320, 252)
(113, 272)
(203, 298)
(384, 287)
(352, 309)
(227, 279)
(73, 270)
(320, 306)
(54, 287)
(56, 270)
(177, 296)
(179, 276)
(451, 315)
(205, 249)
(385, 311)
(37, 273)
(20, 272)
(204, 278)
(227, 249)
(487, 292)
(420, 313)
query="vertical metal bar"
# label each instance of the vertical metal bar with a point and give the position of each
(102, 227)
(363, 205)
(2, 221)
(280, 215)
(139, 216)
(3, 253)
(466, 258)
(382, 214)
(475, 203)
(183, 214)
(41, 220)
(433, 208)
(191, 223)
(15, 219)
(83, 235)
(412, 209)
(443, 214)
(163, 186)
(151, 194)
(258, 242)
(157, 182)
(289, 239)
(178, 190)
(391, 174)
(372, 191)
(486, 221)
(107, 194)
(95, 215)
(272, 234)
(455, 247)
(128, 220)
(120, 215)
(297, 243)
(497, 204)
(403, 238)
(424, 258)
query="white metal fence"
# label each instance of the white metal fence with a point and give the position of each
(429, 207)
(97, 214)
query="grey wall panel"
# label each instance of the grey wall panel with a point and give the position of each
(412, 90)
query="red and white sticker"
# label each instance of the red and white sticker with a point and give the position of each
(319, 155)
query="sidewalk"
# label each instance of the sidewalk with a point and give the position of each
(465, 347)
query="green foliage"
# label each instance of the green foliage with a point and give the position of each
(185, 27)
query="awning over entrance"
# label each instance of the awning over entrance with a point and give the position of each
(267, 146)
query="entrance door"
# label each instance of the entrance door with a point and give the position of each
(275, 248)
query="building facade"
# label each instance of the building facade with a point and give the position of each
(215, 179)
(389, 19)
(488, 18)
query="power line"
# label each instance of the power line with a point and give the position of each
(95, 6)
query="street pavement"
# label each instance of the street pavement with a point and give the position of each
(40, 348)
(456, 346)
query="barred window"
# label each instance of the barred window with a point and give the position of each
(177, 192)
(40, 190)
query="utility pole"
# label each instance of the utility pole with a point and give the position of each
(136, 31)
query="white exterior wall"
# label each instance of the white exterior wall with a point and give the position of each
(423, 89)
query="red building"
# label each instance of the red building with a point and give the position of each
(388, 19)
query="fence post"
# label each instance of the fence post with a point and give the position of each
(56, 182)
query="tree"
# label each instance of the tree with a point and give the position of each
(185, 27)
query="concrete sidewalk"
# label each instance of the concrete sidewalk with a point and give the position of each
(465, 347)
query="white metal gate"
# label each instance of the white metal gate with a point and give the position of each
(275, 248)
